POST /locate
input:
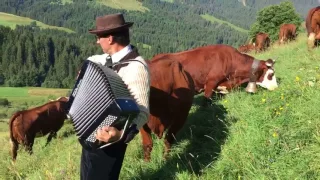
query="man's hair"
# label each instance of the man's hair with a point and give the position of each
(121, 37)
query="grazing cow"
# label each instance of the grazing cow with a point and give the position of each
(287, 33)
(171, 96)
(262, 42)
(36, 122)
(221, 68)
(246, 48)
(313, 26)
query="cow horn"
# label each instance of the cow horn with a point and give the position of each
(251, 87)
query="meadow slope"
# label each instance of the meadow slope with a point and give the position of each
(268, 135)
(11, 21)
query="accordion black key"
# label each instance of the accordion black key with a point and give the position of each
(99, 98)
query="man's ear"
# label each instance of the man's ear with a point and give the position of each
(110, 39)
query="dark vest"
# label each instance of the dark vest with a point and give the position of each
(130, 56)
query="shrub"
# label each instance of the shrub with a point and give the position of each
(270, 19)
(4, 102)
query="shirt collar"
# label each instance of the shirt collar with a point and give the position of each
(116, 57)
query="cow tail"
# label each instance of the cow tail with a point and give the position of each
(14, 142)
(309, 18)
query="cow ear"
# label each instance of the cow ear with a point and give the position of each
(270, 63)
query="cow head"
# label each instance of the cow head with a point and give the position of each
(266, 75)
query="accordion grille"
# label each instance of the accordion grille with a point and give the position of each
(96, 91)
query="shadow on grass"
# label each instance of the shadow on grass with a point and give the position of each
(206, 131)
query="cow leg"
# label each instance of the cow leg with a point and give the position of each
(208, 90)
(14, 149)
(51, 135)
(311, 40)
(171, 135)
(29, 140)
(146, 142)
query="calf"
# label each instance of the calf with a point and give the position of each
(36, 122)
(287, 33)
(246, 48)
(262, 42)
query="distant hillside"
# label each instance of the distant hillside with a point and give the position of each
(11, 21)
(213, 19)
(130, 5)
(236, 13)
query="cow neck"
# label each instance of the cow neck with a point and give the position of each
(254, 69)
(131, 55)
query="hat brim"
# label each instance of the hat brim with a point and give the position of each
(110, 30)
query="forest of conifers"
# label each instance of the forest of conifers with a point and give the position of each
(50, 58)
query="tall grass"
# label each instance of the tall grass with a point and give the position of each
(267, 135)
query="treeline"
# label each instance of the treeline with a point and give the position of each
(47, 58)
(166, 28)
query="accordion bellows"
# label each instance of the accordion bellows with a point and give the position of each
(100, 98)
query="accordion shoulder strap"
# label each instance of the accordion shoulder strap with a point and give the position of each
(117, 66)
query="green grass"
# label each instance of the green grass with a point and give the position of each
(214, 19)
(267, 135)
(67, 1)
(170, 1)
(130, 5)
(11, 21)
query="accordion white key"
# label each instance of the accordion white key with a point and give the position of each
(99, 98)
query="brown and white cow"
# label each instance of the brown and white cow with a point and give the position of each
(313, 26)
(287, 33)
(221, 68)
(262, 42)
(36, 122)
(171, 96)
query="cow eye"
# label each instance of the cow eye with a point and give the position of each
(270, 75)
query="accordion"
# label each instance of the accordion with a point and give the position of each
(99, 98)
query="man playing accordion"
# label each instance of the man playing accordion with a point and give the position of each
(112, 34)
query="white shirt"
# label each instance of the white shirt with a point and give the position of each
(116, 57)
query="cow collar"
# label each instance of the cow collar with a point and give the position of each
(254, 69)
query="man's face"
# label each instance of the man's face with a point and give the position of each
(105, 42)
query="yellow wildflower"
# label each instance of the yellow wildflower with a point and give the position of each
(263, 100)
(297, 78)
(281, 108)
(275, 134)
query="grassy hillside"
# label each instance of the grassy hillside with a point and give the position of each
(214, 19)
(11, 21)
(130, 5)
(24, 98)
(268, 135)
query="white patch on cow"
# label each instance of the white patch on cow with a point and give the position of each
(269, 84)
(311, 40)
(312, 36)
(222, 89)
